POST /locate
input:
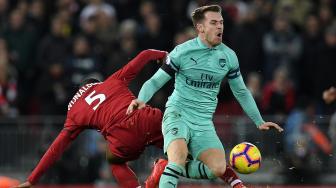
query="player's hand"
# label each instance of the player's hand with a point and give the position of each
(26, 184)
(329, 95)
(135, 104)
(268, 125)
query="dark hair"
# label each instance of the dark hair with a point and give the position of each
(198, 14)
(88, 81)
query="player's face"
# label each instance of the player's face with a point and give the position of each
(213, 28)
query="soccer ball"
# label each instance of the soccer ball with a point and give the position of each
(245, 158)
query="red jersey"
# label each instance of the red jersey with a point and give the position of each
(102, 106)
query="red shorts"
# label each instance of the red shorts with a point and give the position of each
(129, 138)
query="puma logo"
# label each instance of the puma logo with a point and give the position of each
(192, 59)
(171, 183)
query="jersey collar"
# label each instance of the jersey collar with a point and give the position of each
(200, 43)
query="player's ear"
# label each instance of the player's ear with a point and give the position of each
(200, 27)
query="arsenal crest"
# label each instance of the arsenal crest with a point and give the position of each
(174, 131)
(222, 62)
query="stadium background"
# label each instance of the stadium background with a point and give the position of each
(287, 53)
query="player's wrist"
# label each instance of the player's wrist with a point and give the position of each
(140, 101)
(260, 123)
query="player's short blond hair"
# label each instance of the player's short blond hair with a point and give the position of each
(198, 14)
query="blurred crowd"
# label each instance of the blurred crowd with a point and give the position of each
(286, 50)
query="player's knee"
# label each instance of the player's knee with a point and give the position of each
(218, 167)
(178, 152)
(218, 170)
(178, 157)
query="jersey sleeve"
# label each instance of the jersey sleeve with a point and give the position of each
(151, 86)
(234, 71)
(131, 70)
(161, 77)
(174, 59)
(242, 94)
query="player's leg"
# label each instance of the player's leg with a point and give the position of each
(210, 157)
(230, 177)
(211, 163)
(176, 136)
(214, 159)
(195, 169)
(154, 178)
(126, 143)
(124, 175)
(177, 154)
(201, 141)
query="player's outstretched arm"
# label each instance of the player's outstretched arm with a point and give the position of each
(268, 125)
(54, 152)
(245, 98)
(130, 71)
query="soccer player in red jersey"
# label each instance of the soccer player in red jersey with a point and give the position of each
(102, 106)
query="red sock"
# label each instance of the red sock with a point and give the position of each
(124, 176)
(230, 177)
